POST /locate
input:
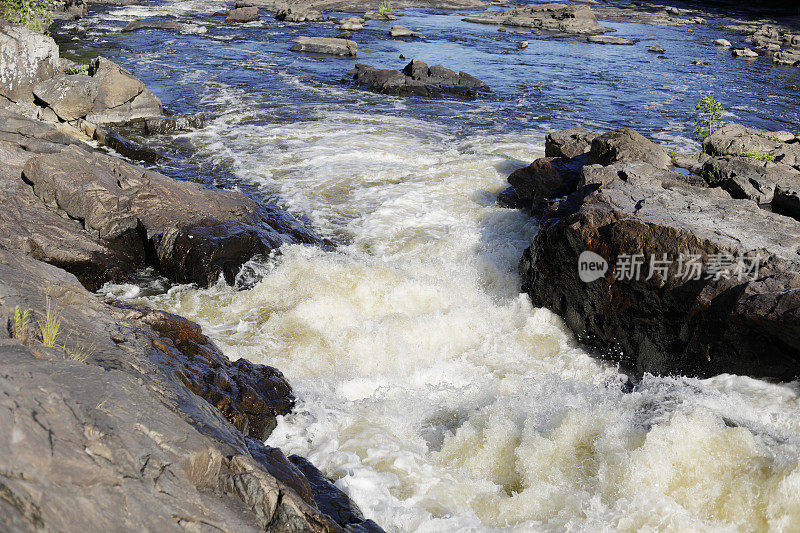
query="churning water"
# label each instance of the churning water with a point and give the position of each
(433, 392)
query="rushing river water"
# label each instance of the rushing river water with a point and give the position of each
(428, 387)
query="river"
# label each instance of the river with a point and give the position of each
(428, 387)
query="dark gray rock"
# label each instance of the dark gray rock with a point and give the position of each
(547, 178)
(324, 45)
(132, 150)
(627, 145)
(417, 79)
(560, 18)
(667, 323)
(747, 178)
(131, 210)
(172, 124)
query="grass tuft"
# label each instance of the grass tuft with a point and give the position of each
(78, 69)
(385, 8)
(79, 350)
(50, 326)
(759, 156)
(19, 329)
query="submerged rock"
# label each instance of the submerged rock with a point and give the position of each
(325, 45)
(723, 43)
(417, 79)
(744, 53)
(559, 18)
(136, 25)
(609, 39)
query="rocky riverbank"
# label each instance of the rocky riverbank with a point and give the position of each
(115, 416)
(668, 272)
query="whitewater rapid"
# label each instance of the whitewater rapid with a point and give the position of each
(430, 389)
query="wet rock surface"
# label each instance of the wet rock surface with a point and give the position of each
(352, 6)
(417, 79)
(734, 310)
(192, 234)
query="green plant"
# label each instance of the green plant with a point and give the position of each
(710, 115)
(759, 155)
(35, 14)
(50, 325)
(714, 175)
(19, 329)
(78, 69)
(385, 8)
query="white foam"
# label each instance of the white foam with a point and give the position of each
(433, 392)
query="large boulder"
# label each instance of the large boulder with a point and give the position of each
(738, 314)
(299, 15)
(627, 145)
(242, 14)
(560, 18)
(417, 79)
(324, 45)
(121, 96)
(568, 143)
(546, 178)
(26, 59)
(193, 234)
(70, 97)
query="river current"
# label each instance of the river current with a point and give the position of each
(428, 387)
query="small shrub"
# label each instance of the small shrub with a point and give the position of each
(78, 69)
(759, 156)
(19, 329)
(50, 325)
(715, 175)
(34, 14)
(710, 115)
(385, 8)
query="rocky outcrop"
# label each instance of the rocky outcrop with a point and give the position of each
(26, 59)
(568, 143)
(136, 420)
(324, 45)
(678, 276)
(417, 79)
(191, 234)
(557, 18)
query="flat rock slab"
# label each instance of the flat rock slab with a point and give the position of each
(610, 39)
(417, 79)
(135, 25)
(560, 18)
(325, 45)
